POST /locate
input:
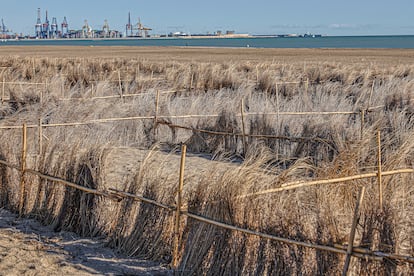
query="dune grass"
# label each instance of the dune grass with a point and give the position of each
(220, 169)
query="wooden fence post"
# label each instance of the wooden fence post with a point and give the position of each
(40, 136)
(380, 171)
(352, 233)
(277, 106)
(23, 169)
(2, 92)
(178, 208)
(191, 82)
(120, 85)
(243, 126)
(157, 99)
(362, 123)
(62, 89)
(307, 86)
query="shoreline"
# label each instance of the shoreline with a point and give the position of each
(214, 54)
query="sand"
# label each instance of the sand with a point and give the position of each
(200, 54)
(29, 248)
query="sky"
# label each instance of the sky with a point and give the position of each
(328, 17)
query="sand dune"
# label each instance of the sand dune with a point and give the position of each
(28, 248)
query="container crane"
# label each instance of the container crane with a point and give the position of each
(45, 27)
(65, 27)
(4, 29)
(4, 32)
(87, 30)
(128, 27)
(38, 26)
(105, 29)
(142, 30)
(54, 28)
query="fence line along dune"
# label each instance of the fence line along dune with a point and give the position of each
(140, 156)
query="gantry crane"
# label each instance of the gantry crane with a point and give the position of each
(128, 27)
(142, 30)
(87, 30)
(105, 29)
(45, 28)
(65, 27)
(54, 28)
(38, 26)
(4, 29)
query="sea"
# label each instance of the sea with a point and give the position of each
(379, 42)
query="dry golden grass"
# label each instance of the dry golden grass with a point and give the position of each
(132, 156)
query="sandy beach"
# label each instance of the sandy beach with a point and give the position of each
(205, 54)
(28, 248)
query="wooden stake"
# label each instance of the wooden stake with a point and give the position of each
(41, 96)
(120, 85)
(379, 171)
(191, 82)
(307, 86)
(370, 94)
(34, 69)
(157, 99)
(2, 92)
(362, 123)
(243, 126)
(277, 106)
(40, 136)
(178, 209)
(62, 88)
(23, 169)
(353, 230)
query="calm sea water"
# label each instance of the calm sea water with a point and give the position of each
(258, 42)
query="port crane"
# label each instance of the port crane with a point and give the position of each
(65, 27)
(130, 28)
(4, 31)
(142, 30)
(45, 28)
(39, 25)
(87, 30)
(105, 29)
(54, 28)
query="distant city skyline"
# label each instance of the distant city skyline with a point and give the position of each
(332, 17)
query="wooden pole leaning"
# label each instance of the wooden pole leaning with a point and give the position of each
(243, 126)
(178, 209)
(380, 188)
(23, 169)
(352, 233)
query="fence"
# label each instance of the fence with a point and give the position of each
(178, 211)
(122, 90)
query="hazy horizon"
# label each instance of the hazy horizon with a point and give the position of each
(261, 17)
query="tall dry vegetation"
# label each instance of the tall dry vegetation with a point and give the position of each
(326, 147)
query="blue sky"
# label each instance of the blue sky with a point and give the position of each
(334, 17)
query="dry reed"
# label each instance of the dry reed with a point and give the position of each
(130, 156)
